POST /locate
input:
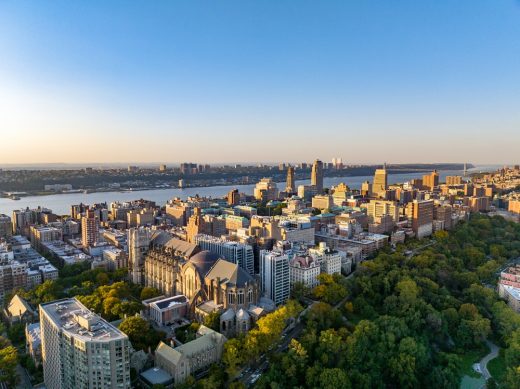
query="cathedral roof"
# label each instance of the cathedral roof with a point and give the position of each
(229, 272)
(204, 261)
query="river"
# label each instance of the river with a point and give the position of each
(60, 203)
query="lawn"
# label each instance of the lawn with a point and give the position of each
(470, 357)
(497, 367)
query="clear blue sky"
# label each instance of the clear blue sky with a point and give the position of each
(164, 81)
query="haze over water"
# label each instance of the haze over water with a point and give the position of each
(60, 203)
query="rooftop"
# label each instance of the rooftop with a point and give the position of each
(74, 318)
(171, 301)
(515, 292)
(156, 376)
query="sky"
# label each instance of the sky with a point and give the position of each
(266, 80)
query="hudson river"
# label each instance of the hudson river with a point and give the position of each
(60, 203)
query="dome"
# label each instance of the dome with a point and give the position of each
(203, 261)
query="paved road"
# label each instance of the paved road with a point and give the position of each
(419, 249)
(484, 361)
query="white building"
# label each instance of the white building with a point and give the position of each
(274, 275)
(80, 349)
(235, 252)
(329, 260)
(304, 269)
(166, 310)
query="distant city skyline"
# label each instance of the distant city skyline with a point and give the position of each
(235, 81)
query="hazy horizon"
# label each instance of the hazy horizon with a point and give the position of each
(215, 82)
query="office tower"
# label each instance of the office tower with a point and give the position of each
(274, 276)
(233, 197)
(138, 245)
(89, 228)
(431, 181)
(317, 175)
(235, 252)
(6, 227)
(80, 349)
(162, 168)
(380, 180)
(422, 218)
(266, 190)
(289, 187)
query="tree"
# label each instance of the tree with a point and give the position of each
(213, 321)
(334, 378)
(141, 335)
(232, 356)
(8, 362)
(16, 333)
(48, 291)
(102, 279)
(149, 292)
(299, 291)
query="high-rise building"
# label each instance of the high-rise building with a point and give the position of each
(89, 228)
(274, 276)
(80, 349)
(317, 175)
(289, 186)
(431, 181)
(233, 197)
(235, 252)
(6, 227)
(422, 218)
(380, 181)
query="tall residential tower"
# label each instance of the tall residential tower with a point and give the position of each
(82, 350)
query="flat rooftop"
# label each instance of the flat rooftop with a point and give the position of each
(171, 302)
(75, 319)
(157, 376)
